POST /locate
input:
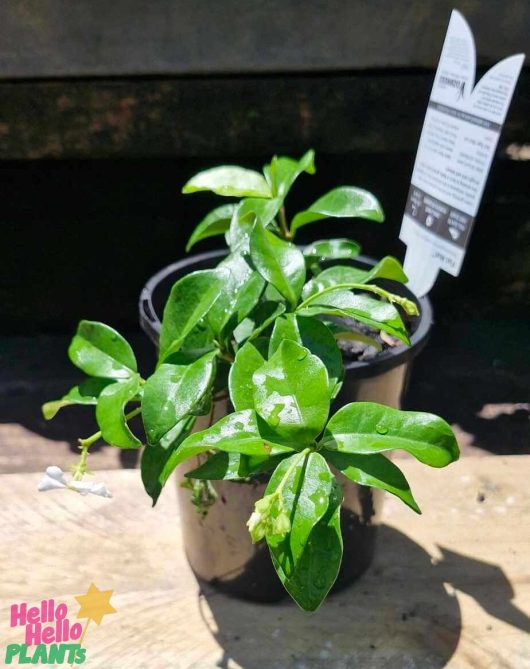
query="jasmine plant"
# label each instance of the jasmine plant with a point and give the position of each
(262, 326)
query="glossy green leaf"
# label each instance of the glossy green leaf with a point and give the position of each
(215, 223)
(316, 337)
(387, 268)
(100, 351)
(367, 428)
(110, 413)
(375, 471)
(308, 558)
(172, 392)
(345, 304)
(261, 317)
(221, 467)
(332, 249)
(338, 275)
(197, 343)
(190, 299)
(241, 432)
(342, 202)
(241, 226)
(249, 358)
(154, 458)
(86, 392)
(341, 334)
(240, 294)
(264, 210)
(229, 180)
(282, 172)
(291, 393)
(279, 262)
(234, 466)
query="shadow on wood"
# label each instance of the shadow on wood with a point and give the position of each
(401, 610)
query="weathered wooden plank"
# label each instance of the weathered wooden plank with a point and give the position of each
(449, 589)
(381, 112)
(50, 38)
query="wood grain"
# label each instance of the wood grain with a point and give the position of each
(450, 588)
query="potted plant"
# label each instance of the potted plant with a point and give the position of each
(249, 355)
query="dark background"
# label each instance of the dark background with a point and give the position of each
(106, 109)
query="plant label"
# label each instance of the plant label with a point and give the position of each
(457, 143)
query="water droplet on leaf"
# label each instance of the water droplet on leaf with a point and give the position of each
(381, 429)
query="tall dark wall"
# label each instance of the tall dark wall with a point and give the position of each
(105, 111)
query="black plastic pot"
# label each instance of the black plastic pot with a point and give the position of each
(218, 547)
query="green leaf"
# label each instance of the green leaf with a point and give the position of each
(244, 218)
(352, 335)
(308, 558)
(332, 249)
(343, 303)
(291, 393)
(387, 268)
(279, 262)
(367, 428)
(99, 350)
(342, 202)
(221, 467)
(240, 294)
(86, 392)
(110, 413)
(339, 275)
(241, 226)
(172, 392)
(154, 458)
(190, 299)
(249, 358)
(316, 337)
(241, 432)
(197, 343)
(375, 471)
(215, 223)
(258, 320)
(264, 210)
(282, 172)
(229, 180)
(234, 466)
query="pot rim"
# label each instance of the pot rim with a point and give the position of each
(388, 359)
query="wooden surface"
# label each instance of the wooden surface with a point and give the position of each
(50, 38)
(450, 588)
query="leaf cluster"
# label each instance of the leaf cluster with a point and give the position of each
(261, 326)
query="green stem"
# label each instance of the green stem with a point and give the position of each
(223, 353)
(87, 443)
(283, 224)
(288, 473)
(408, 305)
(81, 467)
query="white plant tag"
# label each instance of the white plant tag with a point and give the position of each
(460, 133)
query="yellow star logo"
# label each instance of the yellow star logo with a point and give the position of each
(95, 604)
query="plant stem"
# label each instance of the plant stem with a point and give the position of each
(87, 443)
(288, 473)
(84, 444)
(283, 224)
(408, 305)
(223, 353)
